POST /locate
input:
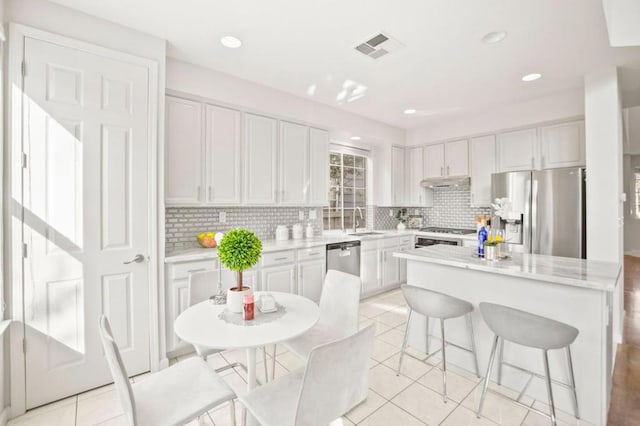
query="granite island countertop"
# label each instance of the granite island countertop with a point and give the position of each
(584, 273)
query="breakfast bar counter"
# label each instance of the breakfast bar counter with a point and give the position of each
(575, 291)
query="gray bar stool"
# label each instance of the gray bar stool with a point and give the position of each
(532, 331)
(433, 304)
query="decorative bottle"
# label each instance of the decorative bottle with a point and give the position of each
(482, 237)
(248, 311)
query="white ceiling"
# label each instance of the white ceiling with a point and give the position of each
(444, 69)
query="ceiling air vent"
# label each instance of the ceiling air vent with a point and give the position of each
(379, 45)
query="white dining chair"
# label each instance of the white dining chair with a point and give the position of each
(173, 396)
(201, 286)
(339, 304)
(333, 382)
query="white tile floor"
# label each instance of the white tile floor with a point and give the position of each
(413, 398)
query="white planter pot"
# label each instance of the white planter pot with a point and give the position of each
(234, 299)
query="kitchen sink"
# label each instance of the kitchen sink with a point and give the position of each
(366, 233)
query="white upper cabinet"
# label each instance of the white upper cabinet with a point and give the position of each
(446, 159)
(260, 160)
(222, 153)
(318, 167)
(562, 145)
(184, 154)
(414, 168)
(483, 164)
(416, 195)
(294, 159)
(517, 150)
(456, 158)
(397, 175)
(434, 161)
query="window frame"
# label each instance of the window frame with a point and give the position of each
(363, 192)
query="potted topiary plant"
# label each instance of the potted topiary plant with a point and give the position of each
(239, 249)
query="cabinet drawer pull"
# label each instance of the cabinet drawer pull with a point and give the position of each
(281, 258)
(190, 271)
(313, 253)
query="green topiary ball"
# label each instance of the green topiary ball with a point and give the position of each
(239, 249)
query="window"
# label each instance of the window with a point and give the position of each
(347, 191)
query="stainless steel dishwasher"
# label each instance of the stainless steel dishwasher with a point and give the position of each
(344, 257)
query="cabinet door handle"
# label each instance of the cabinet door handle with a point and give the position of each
(210, 193)
(448, 173)
(275, 195)
(198, 194)
(533, 162)
(441, 170)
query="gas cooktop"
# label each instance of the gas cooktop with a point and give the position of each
(447, 230)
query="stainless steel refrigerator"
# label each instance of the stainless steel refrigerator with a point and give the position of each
(548, 210)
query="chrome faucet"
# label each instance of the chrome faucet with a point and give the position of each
(354, 218)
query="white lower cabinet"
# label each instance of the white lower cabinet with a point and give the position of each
(279, 278)
(390, 267)
(406, 243)
(177, 278)
(370, 269)
(310, 279)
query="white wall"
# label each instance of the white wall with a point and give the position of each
(558, 106)
(603, 131)
(4, 347)
(631, 222)
(227, 89)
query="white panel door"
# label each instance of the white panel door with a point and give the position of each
(434, 161)
(483, 164)
(311, 279)
(294, 163)
(86, 212)
(184, 153)
(222, 148)
(517, 150)
(260, 160)
(562, 145)
(279, 278)
(318, 167)
(456, 157)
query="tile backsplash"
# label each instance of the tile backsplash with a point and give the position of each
(451, 209)
(182, 224)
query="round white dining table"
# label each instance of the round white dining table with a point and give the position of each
(212, 326)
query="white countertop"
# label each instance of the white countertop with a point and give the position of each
(583, 273)
(200, 253)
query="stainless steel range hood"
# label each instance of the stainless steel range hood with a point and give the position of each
(445, 182)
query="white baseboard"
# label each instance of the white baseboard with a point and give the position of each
(635, 253)
(4, 416)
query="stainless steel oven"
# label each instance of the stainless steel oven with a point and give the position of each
(432, 241)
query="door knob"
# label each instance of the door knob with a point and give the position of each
(138, 259)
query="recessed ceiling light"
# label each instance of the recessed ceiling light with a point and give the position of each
(494, 37)
(531, 77)
(355, 138)
(231, 42)
(409, 111)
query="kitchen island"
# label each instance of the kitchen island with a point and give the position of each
(575, 291)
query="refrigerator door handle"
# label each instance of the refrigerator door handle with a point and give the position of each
(526, 219)
(535, 238)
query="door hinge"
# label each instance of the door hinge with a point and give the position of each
(24, 250)
(24, 160)
(23, 68)
(24, 346)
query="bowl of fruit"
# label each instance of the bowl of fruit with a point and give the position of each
(207, 239)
